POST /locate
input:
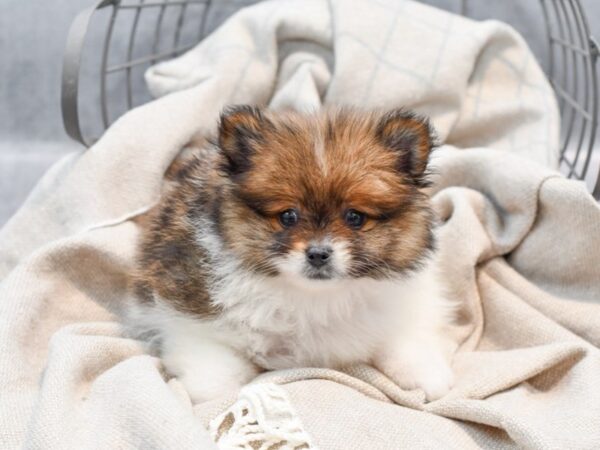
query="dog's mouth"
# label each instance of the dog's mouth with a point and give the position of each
(325, 273)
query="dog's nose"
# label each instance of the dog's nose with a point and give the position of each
(318, 256)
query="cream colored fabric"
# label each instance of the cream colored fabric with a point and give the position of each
(520, 245)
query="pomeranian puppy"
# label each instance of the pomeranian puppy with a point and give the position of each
(297, 240)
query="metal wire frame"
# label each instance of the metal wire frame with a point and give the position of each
(75, 44)
(573, 55)
(175, 50)
(572, 71)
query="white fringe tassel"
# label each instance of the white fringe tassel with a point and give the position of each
(262, 418)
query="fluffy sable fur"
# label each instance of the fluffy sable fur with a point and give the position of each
(296, 240)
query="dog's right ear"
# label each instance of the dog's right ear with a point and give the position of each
(240, 129)
(412, 138)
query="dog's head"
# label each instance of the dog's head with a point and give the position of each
(331, 195)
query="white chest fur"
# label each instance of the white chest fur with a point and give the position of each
(280, 323)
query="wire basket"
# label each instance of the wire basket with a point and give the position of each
(99, 86)
(573, 53)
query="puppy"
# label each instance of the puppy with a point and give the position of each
(297, 240)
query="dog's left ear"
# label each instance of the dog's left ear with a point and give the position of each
(240, 129)
(411, 137)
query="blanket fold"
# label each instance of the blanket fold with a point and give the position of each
(519, 246)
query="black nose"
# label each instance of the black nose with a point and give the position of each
(318, 256)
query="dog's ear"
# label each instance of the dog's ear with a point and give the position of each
(240, 129)
(411, 137)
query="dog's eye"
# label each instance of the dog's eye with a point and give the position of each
(354, 219)
(288, 218)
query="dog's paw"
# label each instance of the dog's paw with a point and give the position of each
(418, 367)
(202, 386)
(209, 373)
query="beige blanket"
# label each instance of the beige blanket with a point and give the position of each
(520, 245)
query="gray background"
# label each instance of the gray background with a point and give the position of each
(32, 38)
